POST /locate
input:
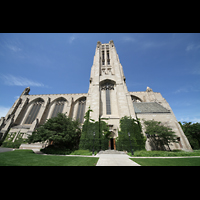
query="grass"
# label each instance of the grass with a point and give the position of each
(167, 161)
(63, 151)
(83, 152)
(29, 158)
(174, 153)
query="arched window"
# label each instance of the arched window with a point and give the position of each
(81, 109)
(135, 99)
(107, 86)
(59, 105)
(34, 111)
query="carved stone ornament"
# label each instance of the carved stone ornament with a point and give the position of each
(26, 91)
(98, 44)
(149, 89)
(107, 86)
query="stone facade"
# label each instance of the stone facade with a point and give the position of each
(107, 96)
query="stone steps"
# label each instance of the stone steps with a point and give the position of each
(111, 152)
(33, 146)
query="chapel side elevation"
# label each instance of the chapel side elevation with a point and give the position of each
(107, 96)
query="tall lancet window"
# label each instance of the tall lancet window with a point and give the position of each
(108, 58)
(108, 107)
(103, 58)
(108, 86)
(81, 109)
(34, 111)
(59, 105)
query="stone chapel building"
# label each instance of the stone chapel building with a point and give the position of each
(107, 96)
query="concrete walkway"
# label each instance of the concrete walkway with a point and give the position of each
(4, 149)
(115, 160)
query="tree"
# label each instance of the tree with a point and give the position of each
(61, 130)
(192, 132)
(159, 135)
(132, 126)
(88, 139)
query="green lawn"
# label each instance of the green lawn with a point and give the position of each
(83, 152)
(167, 161)
(29, 158)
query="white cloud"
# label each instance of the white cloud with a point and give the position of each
(193, 87)
(3, 111)
(16, 97)
(19, 81)
(12, 44)
(191, 47)
(196, 69)
(189, 119)
(143, 44)
(71, 39)
(181, 90)
(128, 39)
(13, 48)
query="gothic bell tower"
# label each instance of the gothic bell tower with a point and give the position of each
(108, 96)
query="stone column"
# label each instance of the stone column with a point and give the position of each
(42, 110)
(67, 107)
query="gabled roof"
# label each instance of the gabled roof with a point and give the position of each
(149, 107)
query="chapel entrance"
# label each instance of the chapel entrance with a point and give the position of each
(112, 144)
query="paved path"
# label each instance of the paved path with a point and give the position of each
(3, 149)
(115, 160)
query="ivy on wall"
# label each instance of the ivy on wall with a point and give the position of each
(94, 134)
(132, 126)
(8, 142)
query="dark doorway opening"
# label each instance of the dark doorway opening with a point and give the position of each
(111, 143)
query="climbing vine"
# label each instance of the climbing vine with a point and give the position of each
(132, 126)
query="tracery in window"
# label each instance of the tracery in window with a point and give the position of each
(107, 86)
(81, 109)
(34, 111)
(135, 99)
(59, 105)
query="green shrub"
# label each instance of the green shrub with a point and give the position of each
(15, 144)
(51, 149)
(172, 153)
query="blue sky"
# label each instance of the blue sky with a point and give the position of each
(60, 63)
